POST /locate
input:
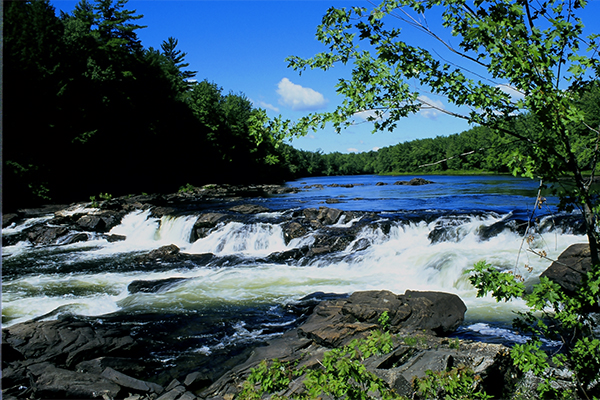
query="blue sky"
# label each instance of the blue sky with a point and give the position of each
(242, 45)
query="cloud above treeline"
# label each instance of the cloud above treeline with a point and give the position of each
(299, 98)
(265, 105)
(430, 108)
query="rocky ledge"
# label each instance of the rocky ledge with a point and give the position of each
(69, 358)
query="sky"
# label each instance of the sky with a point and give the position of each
(242, 46)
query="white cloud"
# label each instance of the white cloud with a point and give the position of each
(375, 148)
(352, 150)
(511, 91)
(268, 106)
(370, 115)
(430, 108)
(298, 97)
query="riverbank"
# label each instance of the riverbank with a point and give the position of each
(72, 358)
(199, 280)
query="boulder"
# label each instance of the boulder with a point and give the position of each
(43, 234)
(153, 286)
(205, 223)
(570, 268)
(249, 209)
(128, 382)
(49, 381)
(293, 230)
(438, 312)
(414, 182)
(337, 322)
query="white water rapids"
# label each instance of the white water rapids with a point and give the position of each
(399, 260)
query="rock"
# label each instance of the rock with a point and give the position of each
(43, 234)
(491, 362)
(48, 381)
(438, 312)
(173, 393)
(115, 238)
(570, 268)
(293, 230)
(98, 365)
(414, 182)
(196, 381)
(249, 209)
(101, 222)
(154, 286)
(131, 383)
(164, 251)
(380, 184)
(337, 322)
(75, 238)
(65, 342)
(333, 201)
(11, 218)
(344, 185)
(205, 223)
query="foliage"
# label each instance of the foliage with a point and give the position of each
(342, 375)
(536, 50)
(454, 384)
(268, 377)
(81, 90)
(556, 315)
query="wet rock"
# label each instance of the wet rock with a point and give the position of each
(288, 255)
(153, 286)
(128, 382)
(293, 230)
(159, 212)
(164, 252)
(65, 342)
(414, 182)
(438, 312)
(11, 218)
(337, 322)
(101, 222)
(570, 268)
(43, 234)
(75, 238)
(197, 380)
(249, 209)
(205, 223)
(115, 238)
(49, 381)
(122, 364)
(333, 201)
(344, 185)
(380, 184)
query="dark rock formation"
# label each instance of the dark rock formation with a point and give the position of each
(205, 223)
(337, 322)
(249, 209)
(570, 268)
(171, 254)
(70, 358)
(414, 182)
(140, 286)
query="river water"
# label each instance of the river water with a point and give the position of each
(238, 298)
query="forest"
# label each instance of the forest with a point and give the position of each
(88, 110)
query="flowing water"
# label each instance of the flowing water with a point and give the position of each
(238, 297)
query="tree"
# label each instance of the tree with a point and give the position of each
(536, 50)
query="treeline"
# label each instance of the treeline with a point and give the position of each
(89, 110)
(477, 150)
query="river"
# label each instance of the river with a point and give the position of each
(240, 298)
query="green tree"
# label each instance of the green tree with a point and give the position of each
(538, 50)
